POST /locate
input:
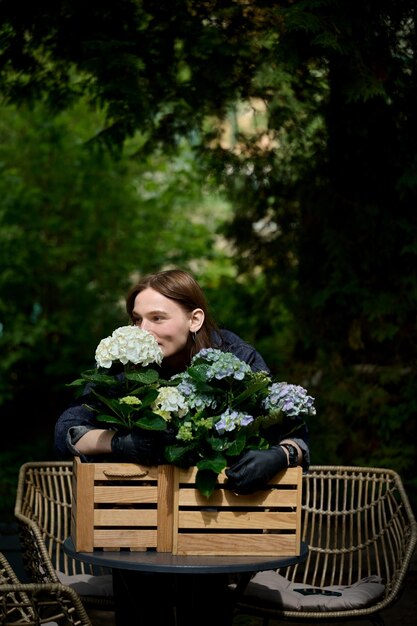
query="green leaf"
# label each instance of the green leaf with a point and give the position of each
(198, 372)
(175, 453)
(149, 397)
(215, 464)
(113, 404)
(97, 379)
(233, 446)
(93, 376)
(236, 447)
(206, 481)
(199, 375)
(151, 422)
(218, 444)
(76, 383)
(111, 419)
(251, 390)
(146, 377)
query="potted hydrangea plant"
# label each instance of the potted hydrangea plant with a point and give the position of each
(215, 410)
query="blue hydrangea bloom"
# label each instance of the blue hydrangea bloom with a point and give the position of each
(223, 364)
(230, 420)
(292, 400)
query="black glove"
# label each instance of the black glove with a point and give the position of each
(167, 437)
(255, 469)
(138, 446)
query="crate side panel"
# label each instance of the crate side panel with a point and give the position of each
(218, 525)
(122, 504)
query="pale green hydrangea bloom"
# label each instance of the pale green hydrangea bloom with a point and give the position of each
(185, 432)
(132, 400)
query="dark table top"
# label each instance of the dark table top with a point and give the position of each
(166, 562)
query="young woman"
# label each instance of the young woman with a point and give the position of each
(172, 307)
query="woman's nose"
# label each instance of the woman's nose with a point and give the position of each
(145, 325)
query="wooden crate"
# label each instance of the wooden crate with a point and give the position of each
(128, 506)
(122, 505)
(264, 523)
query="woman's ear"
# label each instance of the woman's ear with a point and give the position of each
(197, 320)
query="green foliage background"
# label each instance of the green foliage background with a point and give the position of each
(269, 147)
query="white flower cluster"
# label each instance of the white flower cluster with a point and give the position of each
(169, 400)
(128, 344)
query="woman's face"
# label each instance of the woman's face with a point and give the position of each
(166, 320)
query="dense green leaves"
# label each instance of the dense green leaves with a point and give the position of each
(76, 226)
(157, 67)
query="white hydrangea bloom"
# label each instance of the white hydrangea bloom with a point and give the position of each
(128, 344)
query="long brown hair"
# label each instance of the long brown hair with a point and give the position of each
(180, 286)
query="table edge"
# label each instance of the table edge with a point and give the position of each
(166, 562)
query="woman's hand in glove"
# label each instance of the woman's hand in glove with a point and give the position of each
(138, 446)
(255, 469)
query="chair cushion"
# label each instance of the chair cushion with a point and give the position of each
(87, 584)
(273, 589)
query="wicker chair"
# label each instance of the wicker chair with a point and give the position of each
(43, 513)
(357, 522)
(33, 604)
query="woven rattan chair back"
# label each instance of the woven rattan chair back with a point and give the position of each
(43, 513)
(357, 522)
(32, 604)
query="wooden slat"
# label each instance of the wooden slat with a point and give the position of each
(165, 500)
(176, 495)
(123, 538)
(298, 534)
(289, 476)
(125, 517)
(222, 497)
(121, 494)
(226, 544)
(83, 493)
(252, 520)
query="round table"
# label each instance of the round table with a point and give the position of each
(151, 587)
